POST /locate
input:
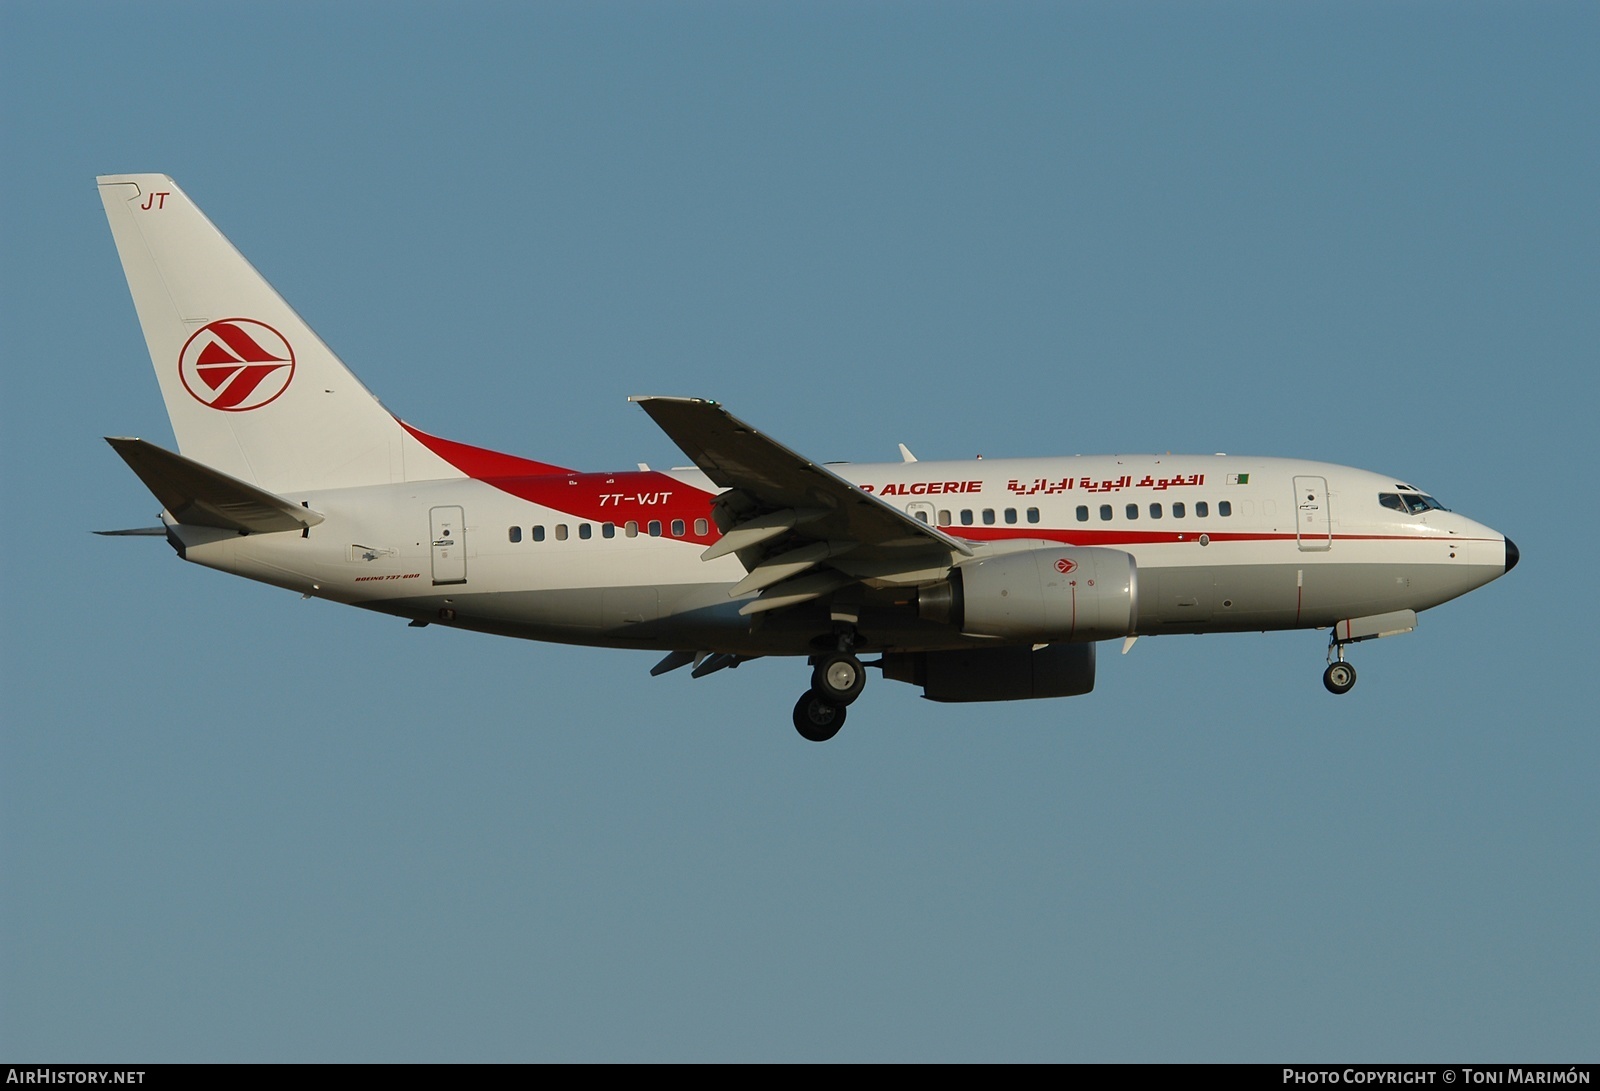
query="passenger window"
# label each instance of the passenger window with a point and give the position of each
(608, 530)
(1202, 509)
(516, 534)
(1083, 513)
(538, 534)
(988, 517)
(1224, 507)
(631, 528)
(944, 517)
(1033, 515)
(700, 528)
(922, 515)
(1133, 511)
(966, 517)
(585, 531)
(561, 532)
(1011, 515)
(655, 528)
(677, 528)
(1155, 511)
(1177, 510)
(1105, 513)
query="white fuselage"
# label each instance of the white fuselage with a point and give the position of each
(1221, 543)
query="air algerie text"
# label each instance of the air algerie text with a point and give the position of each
(923, 488)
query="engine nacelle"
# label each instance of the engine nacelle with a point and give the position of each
(996, 674)
(1068, 593)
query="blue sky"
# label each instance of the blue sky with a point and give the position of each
(235, 825)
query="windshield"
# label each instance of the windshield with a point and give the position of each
(1412, 503)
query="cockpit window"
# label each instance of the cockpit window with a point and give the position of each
(1412, 503)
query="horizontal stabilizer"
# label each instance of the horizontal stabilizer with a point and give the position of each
(194, 493)
(135, 532)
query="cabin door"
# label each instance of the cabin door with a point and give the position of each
(1313, 523)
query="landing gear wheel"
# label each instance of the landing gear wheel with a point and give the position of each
(817, 718)
(1339, 677)
(840, 678)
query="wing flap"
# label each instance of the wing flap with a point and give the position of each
(800, 589)
(784, 565)
(753, 532)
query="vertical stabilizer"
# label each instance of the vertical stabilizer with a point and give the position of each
(251, 390)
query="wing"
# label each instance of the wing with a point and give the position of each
(800, 529)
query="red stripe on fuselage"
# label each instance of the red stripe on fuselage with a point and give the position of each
(480, 462)
(639, 496)
(1119, 537)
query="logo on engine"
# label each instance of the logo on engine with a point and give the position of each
(235, 364)
(1064, 566)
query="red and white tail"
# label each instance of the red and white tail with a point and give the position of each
(251, 390)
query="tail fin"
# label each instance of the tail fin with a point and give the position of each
(250, 389)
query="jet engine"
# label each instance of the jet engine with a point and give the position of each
(1069, 593)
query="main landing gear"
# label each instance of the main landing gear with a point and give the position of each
(1340, 676)
(817, 718)
(837, 679)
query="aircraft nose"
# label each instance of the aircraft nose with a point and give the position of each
(1512, 555)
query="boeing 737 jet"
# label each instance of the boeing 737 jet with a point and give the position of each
(982, 580)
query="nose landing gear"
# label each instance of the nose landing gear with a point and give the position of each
(1340, 676)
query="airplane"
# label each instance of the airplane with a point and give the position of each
(974, 580)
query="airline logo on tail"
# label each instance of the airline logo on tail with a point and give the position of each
(235, 364)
